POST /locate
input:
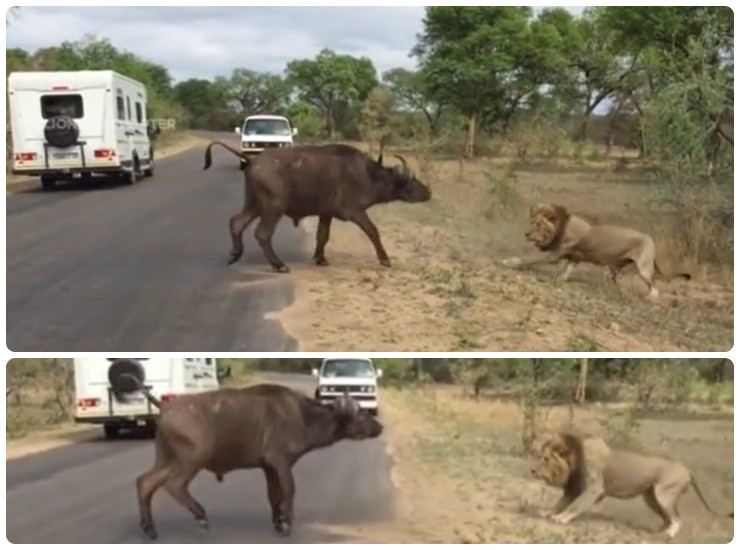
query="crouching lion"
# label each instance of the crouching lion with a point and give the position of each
(588, 470)
(564, 236)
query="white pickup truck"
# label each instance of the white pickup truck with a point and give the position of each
(260, 132)
(356, 377)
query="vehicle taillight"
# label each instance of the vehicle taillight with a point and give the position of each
(168, 397)
(88, 402)
(104, 153)
(25, 156)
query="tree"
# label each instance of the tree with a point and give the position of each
(378, 116)
(332, 81)
(413, 94)
(580, 394)
(206, 103)
(252, 92)
(468, 56)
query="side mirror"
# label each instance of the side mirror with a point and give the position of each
(237, 130)
(315, 373)
(295, 131)
(379, 373)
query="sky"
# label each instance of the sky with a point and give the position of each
(198, 42)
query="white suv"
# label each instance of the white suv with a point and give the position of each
(356, 377)
(262, 131)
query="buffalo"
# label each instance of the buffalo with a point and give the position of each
(330, 181)
(265, 426)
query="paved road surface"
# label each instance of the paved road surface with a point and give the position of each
(143, 268)
(85, 493)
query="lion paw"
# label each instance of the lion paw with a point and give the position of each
(514, 261)
(561, 518)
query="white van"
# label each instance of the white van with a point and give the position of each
(104, 395)
(356, 377)
(262, 131)
(68, 124)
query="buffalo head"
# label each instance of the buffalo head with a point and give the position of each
(353, 422)
(403, 184)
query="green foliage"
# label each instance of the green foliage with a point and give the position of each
(332, 82)
(307, 119)
(250, 92)
(378, 120)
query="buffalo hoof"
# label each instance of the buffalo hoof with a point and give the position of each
(204, 523)
(323, 262)
(149, 530)
(385, 262)
(233, 258)
(281, 269)
(283, 528)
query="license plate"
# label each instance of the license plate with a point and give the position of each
(63, 156)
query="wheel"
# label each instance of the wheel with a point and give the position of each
(111, 430)
(149, 172)
(48, 182)
(150, 430)
(129, 177)
(242, 164)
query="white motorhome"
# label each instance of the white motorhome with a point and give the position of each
(75, 124)
(356, 377)
(260, 132)
(105, 395)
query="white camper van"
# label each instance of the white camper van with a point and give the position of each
(356, 377)
(72, 124)
(106, 395)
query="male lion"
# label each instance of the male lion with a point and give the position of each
(564, 236)
(588, 470)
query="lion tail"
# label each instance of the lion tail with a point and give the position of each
(229, 148)
(695, 485)
(666, 275)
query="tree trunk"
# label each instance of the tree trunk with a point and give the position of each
(331, 124)
(580, 395)
(469, 151)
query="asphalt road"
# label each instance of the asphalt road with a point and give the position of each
(143, 268)
(84, 493)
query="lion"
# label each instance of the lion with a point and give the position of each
(588, 470)
(563, 236)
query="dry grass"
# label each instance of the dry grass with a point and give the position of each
(445, 291)
(462, 476)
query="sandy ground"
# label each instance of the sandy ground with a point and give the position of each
(463, 479)
(170, 146)
(446, 292)
(47, 440)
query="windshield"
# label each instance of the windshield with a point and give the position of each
(347, 369)
(266, 127)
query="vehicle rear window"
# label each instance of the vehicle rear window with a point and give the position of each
(61, 105)
(128, 107)
(139, 113)
(120, 108)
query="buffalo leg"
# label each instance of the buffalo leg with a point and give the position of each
(264, 232)
(237, 225)
(322, 237)
(177, 486)
(364, 222)
(287, 492)
(273, 494)
(146, 485)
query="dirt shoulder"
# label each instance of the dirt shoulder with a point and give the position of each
(446, 292)
(462, 479)
(170, 146)
(46, 440)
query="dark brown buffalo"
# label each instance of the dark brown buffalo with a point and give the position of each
(265, 426)
(330, 181)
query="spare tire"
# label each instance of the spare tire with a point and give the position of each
(119, 375)
(61, 131)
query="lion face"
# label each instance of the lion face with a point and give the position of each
(546, 222)
(553, 463)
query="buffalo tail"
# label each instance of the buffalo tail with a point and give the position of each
(143, 389)
(229, 148)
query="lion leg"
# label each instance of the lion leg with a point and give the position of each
(565, 274)
(583, 502)
(655, 506)
(667, 497)
(646, 270)
(562, 504)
